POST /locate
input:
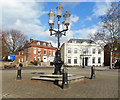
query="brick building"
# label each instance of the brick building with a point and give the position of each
(115, 56)
(36, 51)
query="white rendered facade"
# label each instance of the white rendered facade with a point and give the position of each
(85, 53)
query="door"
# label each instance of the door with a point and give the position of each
(44, 58)
(86, 61)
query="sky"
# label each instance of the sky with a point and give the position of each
(32, 18)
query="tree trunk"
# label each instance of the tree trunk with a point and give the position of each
(111, 59)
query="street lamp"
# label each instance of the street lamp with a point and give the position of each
(57, 61)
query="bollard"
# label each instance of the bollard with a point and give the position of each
(19, 72)
(92, 72)
(65, 79)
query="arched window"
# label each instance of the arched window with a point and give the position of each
(49, 45)
(38, 43)
(44, 44)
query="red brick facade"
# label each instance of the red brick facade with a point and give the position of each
(115, 56)
(36, 50)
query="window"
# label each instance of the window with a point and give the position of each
(44, 51)
(39, 51)
(49, 45)
(35, 58)
(69, 60)
(50, 52)
(38, 58)
(53, 53)
(99, 60)
(44, 44)
(85, 50)
(75, 60)
(74, 41)
(38, 43)
(19, 59)
(93, 51)
(93, 60)
(34, 50)
(22, 59)
(99, 51)
(22, 52)
(75, 50)
(69, 50)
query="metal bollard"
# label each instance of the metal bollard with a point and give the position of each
(19, 72)
(65, 79)
(92, 72)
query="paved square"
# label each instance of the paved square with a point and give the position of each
(104, 86)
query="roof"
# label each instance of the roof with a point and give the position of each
(80, 41)
(33, 43)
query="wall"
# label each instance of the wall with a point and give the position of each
(79, 47)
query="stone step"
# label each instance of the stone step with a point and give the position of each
(46, 79)
(55, 76)
(59, 79)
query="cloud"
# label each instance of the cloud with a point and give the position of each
(24, 16)
(101, 8)
(74, 18)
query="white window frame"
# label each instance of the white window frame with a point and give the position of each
(34, 58)
(50, 52)
(98, 60)
(69, 58)
(93, 51)
(54, 53)
(34, 50)
(75, 58)
(94, 60)
(69, 49)
(49, 45)
(75, 50)
(19, 60)
(22, 59)
(99, 51)
(39, 50)
(44, 52)
(22, 52)
(44, 44)
(38, 43)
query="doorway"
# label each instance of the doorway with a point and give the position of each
(86, 61)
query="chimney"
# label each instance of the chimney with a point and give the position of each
(26, 41)
(31, 39)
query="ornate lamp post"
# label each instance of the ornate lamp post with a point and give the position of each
(57, 61)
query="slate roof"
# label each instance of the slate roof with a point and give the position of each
(33, 43)
(80, 41)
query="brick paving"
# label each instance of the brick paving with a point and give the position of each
(104, 86)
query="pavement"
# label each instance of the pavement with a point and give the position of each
(104, 86)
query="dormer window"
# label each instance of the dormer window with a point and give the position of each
(74, 41)
(44, 44)
(49, 45)
(38, 43)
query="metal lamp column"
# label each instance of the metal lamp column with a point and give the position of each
(57, 61)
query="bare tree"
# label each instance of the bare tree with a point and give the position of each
(108, 32)
(12, 40)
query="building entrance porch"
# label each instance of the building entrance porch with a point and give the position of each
(85, 61)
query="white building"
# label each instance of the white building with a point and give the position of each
(82, 52)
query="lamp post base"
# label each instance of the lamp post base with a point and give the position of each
(58, 63)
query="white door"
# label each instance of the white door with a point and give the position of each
(44, 58)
